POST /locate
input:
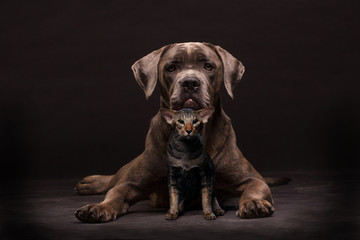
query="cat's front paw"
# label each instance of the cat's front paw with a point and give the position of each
(219, 212)
(209, 216)
(172, 216)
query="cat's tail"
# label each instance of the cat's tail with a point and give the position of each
(275, 181)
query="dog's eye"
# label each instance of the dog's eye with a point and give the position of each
(195, 121)
(208, 66)
(181, 121)
(171, 68)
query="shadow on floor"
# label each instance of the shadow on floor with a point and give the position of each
(311, 206)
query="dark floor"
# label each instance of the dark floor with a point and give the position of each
(312, 206)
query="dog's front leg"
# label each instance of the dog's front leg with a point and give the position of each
(135, 184)
(116, 203)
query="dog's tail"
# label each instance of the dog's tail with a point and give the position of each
(275, 181)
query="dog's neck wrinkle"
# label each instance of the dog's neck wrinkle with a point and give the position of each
(158, 134)
(164, 103)
(217, 106)
(218, 128)
(218, 114)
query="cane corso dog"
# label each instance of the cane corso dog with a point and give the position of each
(189, 75)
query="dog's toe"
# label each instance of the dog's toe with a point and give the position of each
(95, 184)
(255, 208)
(96, 213)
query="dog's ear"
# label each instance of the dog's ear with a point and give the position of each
(146, 71)
(205, 113)
(168, 114)
(233, 70)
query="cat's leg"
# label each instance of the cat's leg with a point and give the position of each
(206, 197)
(206, 204)
(182, 206)
(216, 207)
(173, 212)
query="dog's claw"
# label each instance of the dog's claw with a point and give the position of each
(255, 208)
(96, 213)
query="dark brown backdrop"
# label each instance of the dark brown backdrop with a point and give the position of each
(71, 107)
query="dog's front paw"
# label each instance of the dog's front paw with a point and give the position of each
(255, 208)
(209, 216)
(96, 213)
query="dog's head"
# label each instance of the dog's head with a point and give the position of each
(190, 74)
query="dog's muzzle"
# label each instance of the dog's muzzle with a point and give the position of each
(191, 90)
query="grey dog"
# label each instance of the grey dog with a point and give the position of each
(189, 75)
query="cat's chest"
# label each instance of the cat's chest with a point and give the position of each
(185, 155)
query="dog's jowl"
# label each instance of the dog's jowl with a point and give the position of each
(189, 75)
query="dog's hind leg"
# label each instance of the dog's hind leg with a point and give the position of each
(94, 184)
(160, 197)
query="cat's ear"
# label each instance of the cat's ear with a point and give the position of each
(146, 70)
(168, 114)
(205, 113)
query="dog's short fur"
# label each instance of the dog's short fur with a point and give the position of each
(189, 75)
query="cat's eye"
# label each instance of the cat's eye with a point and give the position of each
(195, 121)
(181, 121)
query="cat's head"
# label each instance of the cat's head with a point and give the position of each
(187, 122)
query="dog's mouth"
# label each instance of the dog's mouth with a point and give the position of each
(189, 103)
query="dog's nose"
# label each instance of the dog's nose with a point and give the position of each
(190, 84)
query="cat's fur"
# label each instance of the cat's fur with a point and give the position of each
(190, 168)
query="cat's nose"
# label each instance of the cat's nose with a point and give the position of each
(188, 131)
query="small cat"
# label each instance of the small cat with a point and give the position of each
(190, 168)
